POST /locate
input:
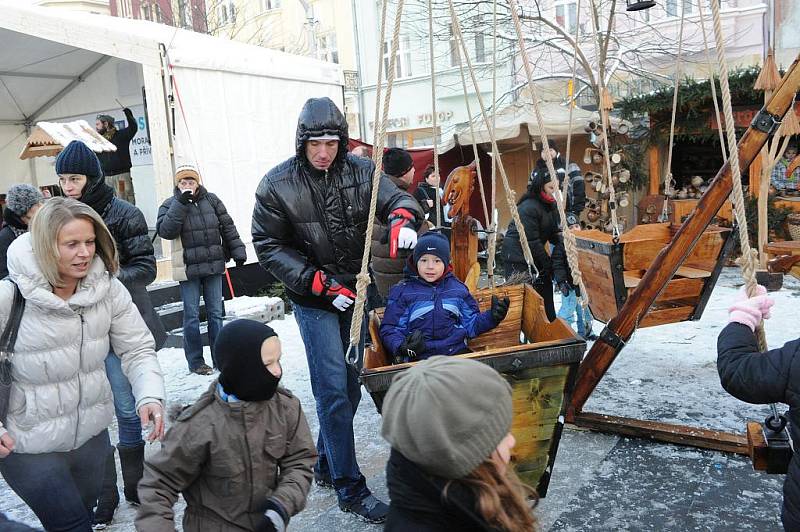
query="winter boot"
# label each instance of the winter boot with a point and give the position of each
(109, 496)
(132, 461)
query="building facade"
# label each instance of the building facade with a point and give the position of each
(186, 14)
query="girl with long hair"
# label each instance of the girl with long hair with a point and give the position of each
(448, 421)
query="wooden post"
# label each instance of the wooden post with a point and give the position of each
(621, 328)
(654, 168)
(755, 174)
(763, 198)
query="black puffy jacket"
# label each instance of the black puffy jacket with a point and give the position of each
(12, 224)
(117, 162)
(205, 229)
(418, 503)
(137, 261)
(307, 220)
(576, 190)
(541, 221)
(761, 378)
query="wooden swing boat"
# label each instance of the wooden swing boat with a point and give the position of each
(611, 272)
(540, 368)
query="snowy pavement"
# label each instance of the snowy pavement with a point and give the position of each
(600, 482)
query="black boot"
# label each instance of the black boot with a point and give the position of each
(109, 496)
(132, 461)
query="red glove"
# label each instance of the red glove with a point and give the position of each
(339, 295)
(401, 231)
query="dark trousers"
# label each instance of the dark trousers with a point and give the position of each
(543, 286)
(60, 488)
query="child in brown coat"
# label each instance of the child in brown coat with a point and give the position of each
(242, 454)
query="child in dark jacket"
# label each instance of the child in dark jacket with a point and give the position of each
(764, 377)
(431, 312)
(242, 454)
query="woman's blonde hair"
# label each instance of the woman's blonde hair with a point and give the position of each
(501, 498)
(48, 222)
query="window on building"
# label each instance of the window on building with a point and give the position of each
(455, 55)
(410, 138)
(226, 13)
(567, 15)
(671, 7)
(267, 5)
(327, 48)
(687, 6)
(403, 60)
(480, 48)
(185, 13)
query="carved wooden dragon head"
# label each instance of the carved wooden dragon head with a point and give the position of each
(458, 189)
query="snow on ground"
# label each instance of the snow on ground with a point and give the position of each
(600, 482)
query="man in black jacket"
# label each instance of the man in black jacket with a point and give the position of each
(81, 178)
(309, 228)
(117, 164)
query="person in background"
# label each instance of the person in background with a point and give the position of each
(309, 231)
(54, 444)
(386, 270)
(431, 312)
(81, 177)
(428, 194)
(449, 467)
(539, 215)
(785, 175)
(204, 238)
(22, 202)
(362, 151)
(242, 454)
(117, 164)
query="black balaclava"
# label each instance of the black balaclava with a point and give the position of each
(238, 353)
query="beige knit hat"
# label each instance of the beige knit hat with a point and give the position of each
(447, 414)
(187, 171)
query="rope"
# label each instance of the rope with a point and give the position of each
(668, 175)
(569, 238)
(510, 195)
(433, 115)
(363, 278)
(748, 260)
(711, 71)
(491, 249)
(612, 195)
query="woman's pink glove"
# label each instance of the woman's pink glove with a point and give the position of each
(750, 311)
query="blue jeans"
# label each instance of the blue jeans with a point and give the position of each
(211, 289)
(130, 426)
(570, 307)
(60, 488)
(337, 393)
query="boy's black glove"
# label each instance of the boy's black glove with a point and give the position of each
(499, 308)
(565, 288)
(273, 519)
(411, 348)
(186, 197)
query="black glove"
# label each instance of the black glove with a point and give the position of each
(411, 348)
(186, 197)
(273, 519)
(499, 308)
(565, 288)
(239, 262)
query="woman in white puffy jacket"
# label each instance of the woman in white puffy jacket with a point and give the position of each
(55, 441)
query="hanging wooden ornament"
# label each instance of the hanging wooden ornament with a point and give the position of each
(606, 101)
(790, 125)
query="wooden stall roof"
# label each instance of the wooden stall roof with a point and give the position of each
(49, 138)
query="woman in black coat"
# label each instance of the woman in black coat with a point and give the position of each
(764, 377)
(539, 215)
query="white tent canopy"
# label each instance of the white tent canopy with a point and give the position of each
(236, 117)
(511, 118)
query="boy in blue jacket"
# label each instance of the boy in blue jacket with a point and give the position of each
(431, 312)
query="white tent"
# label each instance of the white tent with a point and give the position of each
(235, 105)
(509, 120)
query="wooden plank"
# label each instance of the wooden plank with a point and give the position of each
(692, 273)
(654, 166)
(653, 430)
(602, 354)
(663, 316)
(599, 281)
(632, 278)
(757, 445)
(687, 290)
(535, 324)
